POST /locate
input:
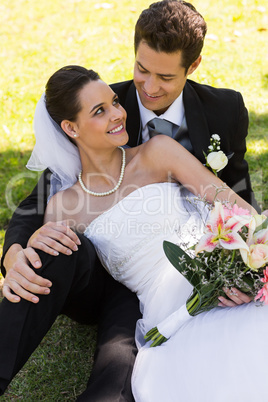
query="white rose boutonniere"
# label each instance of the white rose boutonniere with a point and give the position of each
(216, 159)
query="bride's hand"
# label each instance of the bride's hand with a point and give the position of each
(54, 238)
(235, 298)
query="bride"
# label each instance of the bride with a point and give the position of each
(127, 202)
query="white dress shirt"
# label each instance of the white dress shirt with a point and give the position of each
(174, 114)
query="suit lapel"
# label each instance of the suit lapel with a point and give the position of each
(196, 122)
(133, 117)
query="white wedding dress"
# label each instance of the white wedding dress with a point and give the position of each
(216, 356)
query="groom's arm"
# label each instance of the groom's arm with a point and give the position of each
(18, 258)
(27, 218)
(15, 261)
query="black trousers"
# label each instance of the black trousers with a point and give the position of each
(85, 292)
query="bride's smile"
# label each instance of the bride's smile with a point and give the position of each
(117, 130)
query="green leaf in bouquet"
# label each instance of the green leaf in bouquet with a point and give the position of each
(207, 289)
(263, 225)
(186, 265)
(176, 255)
(203, 298)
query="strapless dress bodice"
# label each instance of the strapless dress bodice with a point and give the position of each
(129, 238)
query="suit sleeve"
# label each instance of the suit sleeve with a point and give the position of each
(236, 173)
(28, 216)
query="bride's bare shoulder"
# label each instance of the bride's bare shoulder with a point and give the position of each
(158, 148)
(153, 145)
(61, 202)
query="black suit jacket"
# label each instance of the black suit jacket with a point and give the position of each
(207, 110)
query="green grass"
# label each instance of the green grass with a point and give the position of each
(37, 38)
(60, 367)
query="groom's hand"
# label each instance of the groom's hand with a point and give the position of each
(21, 281)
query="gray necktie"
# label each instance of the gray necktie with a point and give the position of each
(160, 126)
(179, 133)
(182, 136)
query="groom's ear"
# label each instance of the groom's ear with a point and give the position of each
(70, 128)
(194, 65)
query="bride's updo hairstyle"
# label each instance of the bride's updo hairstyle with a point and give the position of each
(62, 92)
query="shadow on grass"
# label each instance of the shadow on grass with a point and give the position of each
(257, 156)
(59, 368)
(258, 122)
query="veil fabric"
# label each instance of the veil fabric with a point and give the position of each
(53, 150)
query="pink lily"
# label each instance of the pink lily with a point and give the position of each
(222, 233)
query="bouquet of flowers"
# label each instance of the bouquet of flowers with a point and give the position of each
(233, 252)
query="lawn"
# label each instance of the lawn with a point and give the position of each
(37, 38)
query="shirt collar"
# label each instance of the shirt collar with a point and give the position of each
(174, 113)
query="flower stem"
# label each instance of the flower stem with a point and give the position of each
(191, 303)
(233, 256)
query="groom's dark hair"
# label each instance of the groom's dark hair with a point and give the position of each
(171, 26)
(62, 92)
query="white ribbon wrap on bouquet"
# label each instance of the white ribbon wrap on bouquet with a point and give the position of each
(170, 325)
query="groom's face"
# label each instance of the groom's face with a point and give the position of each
(159, 77)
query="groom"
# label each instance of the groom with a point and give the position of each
(166, 55)
(169, 38)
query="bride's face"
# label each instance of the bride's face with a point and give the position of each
(102, 119)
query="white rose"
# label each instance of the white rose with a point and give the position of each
(217, 160)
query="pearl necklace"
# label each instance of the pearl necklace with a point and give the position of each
(115, 188)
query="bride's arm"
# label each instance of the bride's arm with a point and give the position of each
(174, 161)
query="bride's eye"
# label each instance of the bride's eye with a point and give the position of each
(99, 111)
(116, 101)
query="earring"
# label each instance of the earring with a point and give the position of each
(75, 135)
